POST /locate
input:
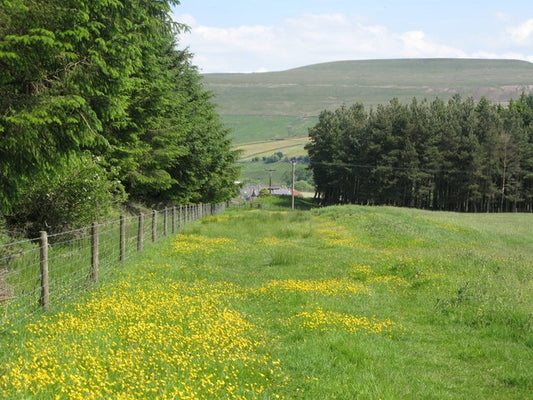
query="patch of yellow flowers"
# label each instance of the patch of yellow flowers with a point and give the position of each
(326, 287)
(160, 340)
(318, 319)
(336, 235)
(187, 244)
(368, 275)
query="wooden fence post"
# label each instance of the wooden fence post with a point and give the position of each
(95, 240)
(154, 226)
(45, 285)
(140, 233)
(180, 217)
(122, 238)
(173, 219)
(165, 222)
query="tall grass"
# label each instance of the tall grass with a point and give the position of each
(340, 302)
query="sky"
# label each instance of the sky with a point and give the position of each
(276, 35)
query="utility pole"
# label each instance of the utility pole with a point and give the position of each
(293, 163)
(270, 180)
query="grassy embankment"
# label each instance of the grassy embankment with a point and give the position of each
(263, 107)
(340, 302)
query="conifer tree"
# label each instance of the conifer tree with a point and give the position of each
(104, 79)
(457, 156)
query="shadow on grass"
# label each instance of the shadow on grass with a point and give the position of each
(283, 202)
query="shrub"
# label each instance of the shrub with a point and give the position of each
(304, 186)
(264, 192)
(80, 192)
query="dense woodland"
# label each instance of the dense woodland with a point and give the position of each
(99, 105)
(459, 155)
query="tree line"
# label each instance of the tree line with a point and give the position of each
(98, 105)
(459, 155)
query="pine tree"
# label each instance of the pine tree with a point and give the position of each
(105, 77)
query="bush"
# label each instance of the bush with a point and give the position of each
(274, 158)
(78, 194)
(304, 186)
(264, 192)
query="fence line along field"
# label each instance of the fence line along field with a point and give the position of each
(50, 269)
(342, 302)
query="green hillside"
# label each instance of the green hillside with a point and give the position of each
(262, 107)
(282, 104)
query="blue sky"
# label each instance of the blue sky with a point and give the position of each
(273, 35)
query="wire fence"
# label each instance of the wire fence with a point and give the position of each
(35, 273)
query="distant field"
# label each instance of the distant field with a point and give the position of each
(249, 129)
(256, 172)
(289, 147)
(283, 104)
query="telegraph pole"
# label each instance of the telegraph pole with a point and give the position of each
(270, 180)
(293, 163)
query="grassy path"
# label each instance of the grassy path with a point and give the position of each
(335, 303)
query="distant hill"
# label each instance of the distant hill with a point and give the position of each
(270, 112)
(276, 105)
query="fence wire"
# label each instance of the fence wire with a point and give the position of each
(71, 260)
(20, 266)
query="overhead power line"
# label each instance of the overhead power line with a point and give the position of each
(370, 166)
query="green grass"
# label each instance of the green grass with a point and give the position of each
(339, 302)
(250, 129)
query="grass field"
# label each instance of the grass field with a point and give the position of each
(290, 147)
(247, 130)
(333, 303)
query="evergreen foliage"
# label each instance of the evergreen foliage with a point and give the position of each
(457, 156)
(105, 77)
(74, 195)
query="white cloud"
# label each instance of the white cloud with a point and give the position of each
(523, 33)
(309, 39)
(503, 56)
(416, 44)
